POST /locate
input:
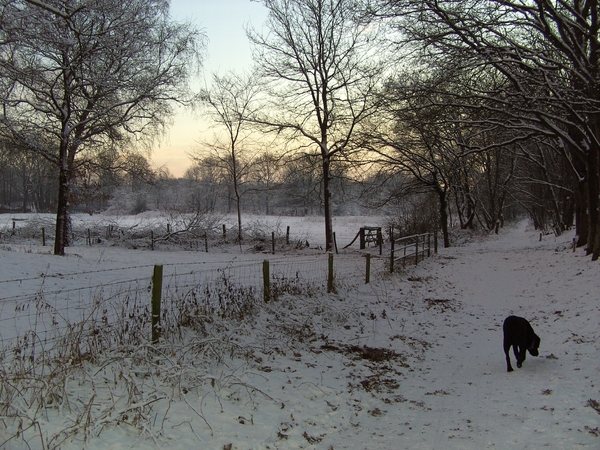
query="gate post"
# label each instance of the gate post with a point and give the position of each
(330, 274)
(156, 296)
(266, 281)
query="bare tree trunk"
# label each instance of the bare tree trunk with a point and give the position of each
(592, 198)
(465, 207)
(593, 182)
(239, 217)
(444, 216)
(25, 191)
(596, 247)
(580, 191)
(238, 199)
(327, 203)
(62, 213)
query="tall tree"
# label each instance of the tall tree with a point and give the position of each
(320, 70)
(231, 101)
(419, 142)
(80, 74)
(418, 134)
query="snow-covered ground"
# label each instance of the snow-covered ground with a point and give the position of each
(411, 360)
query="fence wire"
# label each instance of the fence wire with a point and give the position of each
(100, 316)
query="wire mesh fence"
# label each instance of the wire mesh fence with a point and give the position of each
(90, 318)
(199, 232)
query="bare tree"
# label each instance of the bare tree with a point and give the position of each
(417, 147)
(548, 54)
(303, 190)
(265, 174)
(78, 75)
(320, 69)
(544, 185)
(418, 134)
(231, 102)
(204, 180)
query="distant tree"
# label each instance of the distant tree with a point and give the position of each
(205, 183)
(265, 176)
(321, 68)
(7, 176)
(230, 101)
(417, 135)
(76, 76)
(136, 170)
(302, 185)
(544, 185)
(25, 180)
(494, 177)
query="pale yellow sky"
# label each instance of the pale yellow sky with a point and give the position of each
(172, 150)
(228, 49)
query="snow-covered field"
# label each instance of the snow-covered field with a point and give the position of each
(411, 360)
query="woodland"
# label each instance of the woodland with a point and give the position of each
(443, 113)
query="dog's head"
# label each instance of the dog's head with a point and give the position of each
(535, 345)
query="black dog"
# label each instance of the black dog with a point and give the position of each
(519, 334)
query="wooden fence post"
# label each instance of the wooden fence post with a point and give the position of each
(392, 243)
(273, 242)
(362, 238)
(435, 242)
(266, 282)
(206, 242)
(417, 250)
(428, 245)
(151, 239)
(380, 241)
(156, 297)
(330, 274)
(89, 237)
(287, 236)
(368, 269)
(43, 237)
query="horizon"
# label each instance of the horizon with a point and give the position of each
(227, 49)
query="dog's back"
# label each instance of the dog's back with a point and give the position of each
(519, 334)
(517, 329)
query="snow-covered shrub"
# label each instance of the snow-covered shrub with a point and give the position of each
(416, 214)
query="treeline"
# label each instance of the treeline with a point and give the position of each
(130, 185)
(269, 184)
(440, 113)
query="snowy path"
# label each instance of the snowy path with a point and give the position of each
(469, 400)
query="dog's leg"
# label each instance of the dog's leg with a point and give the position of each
(507, 353)
(521, 356)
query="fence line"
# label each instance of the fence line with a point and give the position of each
(189, 231)
(120, 312)
(71, 274)
(412, 249)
